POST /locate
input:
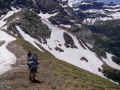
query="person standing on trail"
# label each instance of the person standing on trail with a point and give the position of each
(33, 69)
(33, 56)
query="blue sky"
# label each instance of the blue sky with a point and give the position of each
(107, 1)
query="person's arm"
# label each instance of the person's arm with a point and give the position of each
(30, 63)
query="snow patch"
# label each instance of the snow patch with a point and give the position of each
(46, 16)
(110, 62)
(6, 57)
(28, 38)
(67, 26)
(71, 55)
(2, 21)
(91, 46)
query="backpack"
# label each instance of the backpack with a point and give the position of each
(32, 57)
(35, 56)
(34, 64)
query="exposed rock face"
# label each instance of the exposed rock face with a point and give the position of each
(3, 8)
(81, 44)
(45, 6)
(83, 58)
(116, 60)
(87, 36)
(99, 52)
(31, 24)
(69, 41)
(59, 49)
(50, 6)
(65, 15)
(13, 29)
(91, 5)
(1, 43)
(22, 4)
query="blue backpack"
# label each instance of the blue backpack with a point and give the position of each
(32, 57)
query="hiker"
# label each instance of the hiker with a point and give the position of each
(31, 58)
(33, 69)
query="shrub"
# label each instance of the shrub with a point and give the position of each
(69, 41)
(116, 59)
(83, 58)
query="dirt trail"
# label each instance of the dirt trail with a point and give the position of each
(17, 78)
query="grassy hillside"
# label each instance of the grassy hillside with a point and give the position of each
(64, 76)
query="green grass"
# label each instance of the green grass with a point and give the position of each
(75, 78)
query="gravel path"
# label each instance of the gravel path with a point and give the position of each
(17, 77)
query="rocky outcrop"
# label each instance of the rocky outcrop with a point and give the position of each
(13, 29)
(59, 49)
(31, 24)
(1, 43)
(83, 58)
(4, 8)
(116, 60)
(69, 42)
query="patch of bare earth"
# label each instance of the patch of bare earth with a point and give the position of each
(17, 77)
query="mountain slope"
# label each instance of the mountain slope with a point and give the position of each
(62, 15)
(60, 43)
(102, 19)
(92, 10)
(57, 40)
(109, 32)
(52, 73)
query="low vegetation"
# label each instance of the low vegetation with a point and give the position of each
(110, 29)
(116, 60)
(111, 73)
(74, 78)
(69, 42)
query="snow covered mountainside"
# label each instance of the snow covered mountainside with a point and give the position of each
(92, 11)
(102, 19)
(57, 41)
(59, 29)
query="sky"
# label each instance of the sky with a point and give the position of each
(107, 1)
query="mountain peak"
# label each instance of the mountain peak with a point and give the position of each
(72, 3)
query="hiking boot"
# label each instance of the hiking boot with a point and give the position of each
(31, 81)
(34, 79)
